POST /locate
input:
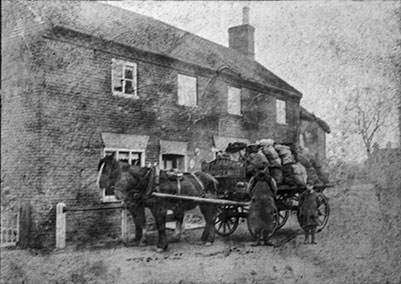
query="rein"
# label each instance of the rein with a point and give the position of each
(99, 175)
(202, 186)
(148, 191)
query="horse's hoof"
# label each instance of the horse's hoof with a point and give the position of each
(208, 244)
(160, 250)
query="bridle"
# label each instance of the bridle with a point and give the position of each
(136, 193)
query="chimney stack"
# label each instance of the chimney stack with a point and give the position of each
(241, 38)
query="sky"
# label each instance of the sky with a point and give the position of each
(325, 49)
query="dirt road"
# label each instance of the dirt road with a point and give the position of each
(351, 249)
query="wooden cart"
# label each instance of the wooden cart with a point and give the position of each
(232, 187)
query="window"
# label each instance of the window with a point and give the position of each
(187, 95)
(281, 112)
(173, 161)
(135, 158)
(124, 75)
(234, 101)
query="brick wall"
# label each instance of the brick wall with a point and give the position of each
(21, 157)
(57, 101)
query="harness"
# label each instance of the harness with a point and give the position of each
(136, 193)
(152, 178)
(154, 181)
(202, 186)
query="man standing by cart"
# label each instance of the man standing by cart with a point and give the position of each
(256, 163)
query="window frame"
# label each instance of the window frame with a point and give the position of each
(179, 90)
(281, 112)
(112, 198)
(134, 79)
(175, 157)
(228, 100)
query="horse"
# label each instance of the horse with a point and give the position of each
(134, 185)
(262, 211)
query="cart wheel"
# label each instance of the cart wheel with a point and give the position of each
(276, 224)
(283, 216)
(227, 220)
(323, 211)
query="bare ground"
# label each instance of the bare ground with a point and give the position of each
(361, 244)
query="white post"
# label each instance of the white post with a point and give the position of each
(124, 224)
(18, 215)
(60, 225)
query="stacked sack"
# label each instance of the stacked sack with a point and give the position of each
(267, 147)
(294, 172)
(284, 166)
(316, 175)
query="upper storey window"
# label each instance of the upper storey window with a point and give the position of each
(124, 75)
(187, 94)
(281, 112)
(234, 101)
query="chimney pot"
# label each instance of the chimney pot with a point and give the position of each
(245, 15)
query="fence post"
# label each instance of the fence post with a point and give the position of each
(124, 224)
(24, 224)
(60, 225)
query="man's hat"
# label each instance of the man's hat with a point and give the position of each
(235, 147)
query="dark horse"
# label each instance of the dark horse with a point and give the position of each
(134, 185)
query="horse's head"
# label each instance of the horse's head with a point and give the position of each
(132, 183)
(109, 170)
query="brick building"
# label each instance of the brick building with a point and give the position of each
(312, 134)
(80, 79)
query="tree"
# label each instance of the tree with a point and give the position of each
(369, 112)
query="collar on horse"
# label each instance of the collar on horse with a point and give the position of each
(137, 192)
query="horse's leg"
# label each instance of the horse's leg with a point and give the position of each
(160, 214)
(138, 215)
(209, 212)
(179, 214)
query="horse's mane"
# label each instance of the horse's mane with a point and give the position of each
(137, 172)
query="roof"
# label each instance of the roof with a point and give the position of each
(146, 33)
(306, 115)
